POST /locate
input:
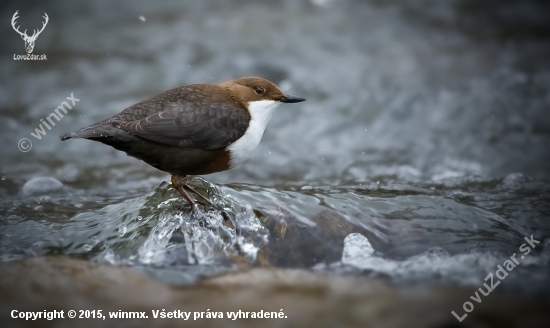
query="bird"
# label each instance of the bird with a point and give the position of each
(195, 129)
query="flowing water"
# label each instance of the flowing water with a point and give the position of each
(421, 154)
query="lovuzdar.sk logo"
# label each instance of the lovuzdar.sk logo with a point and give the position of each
(29, 40)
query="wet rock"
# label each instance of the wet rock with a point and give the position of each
(40, 186)
(307, 299)
(303, 242)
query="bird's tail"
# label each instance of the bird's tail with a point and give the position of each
(94, 131)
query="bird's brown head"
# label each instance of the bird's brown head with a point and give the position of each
(248, 89)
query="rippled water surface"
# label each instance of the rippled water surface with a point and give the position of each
(421, 154)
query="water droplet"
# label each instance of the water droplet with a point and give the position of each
(139, 218)
(122, 230)
(3, 177)
(141, 18)
(87, 247)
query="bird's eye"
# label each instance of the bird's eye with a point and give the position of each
(259, 90)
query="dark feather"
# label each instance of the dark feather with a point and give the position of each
(188, 125)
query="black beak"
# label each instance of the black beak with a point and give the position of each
(290, 99)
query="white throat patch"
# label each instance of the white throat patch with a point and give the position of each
(261, 112)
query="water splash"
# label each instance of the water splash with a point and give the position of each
(157, 228)
(209, 236)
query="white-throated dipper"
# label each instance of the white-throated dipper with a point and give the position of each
(193, 129)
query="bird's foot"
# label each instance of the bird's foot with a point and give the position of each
(191, 189)
(181, 187)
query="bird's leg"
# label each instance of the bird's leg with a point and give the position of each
(191, 189)
(180, 187)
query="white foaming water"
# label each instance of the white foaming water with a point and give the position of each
(468, 268)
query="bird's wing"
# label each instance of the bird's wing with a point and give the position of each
(188, 125)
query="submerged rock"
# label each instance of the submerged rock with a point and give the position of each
(303, 242)
(307, 299)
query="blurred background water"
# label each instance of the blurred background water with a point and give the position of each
(421, 154)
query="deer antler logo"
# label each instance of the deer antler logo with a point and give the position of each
(29, 40)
